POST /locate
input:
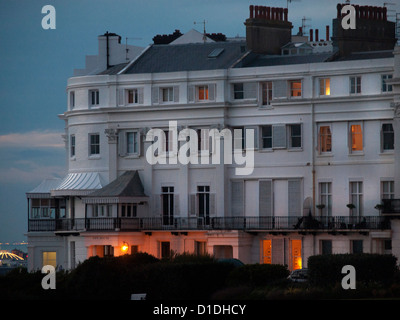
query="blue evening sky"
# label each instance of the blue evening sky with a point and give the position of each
(36, 63)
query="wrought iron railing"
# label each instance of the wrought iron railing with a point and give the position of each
(212, 223)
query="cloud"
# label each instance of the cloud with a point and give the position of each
(33, 139)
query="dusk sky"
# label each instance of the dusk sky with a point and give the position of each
(36, 63)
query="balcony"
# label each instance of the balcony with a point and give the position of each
(282, 224)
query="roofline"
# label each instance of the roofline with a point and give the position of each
(134, 60)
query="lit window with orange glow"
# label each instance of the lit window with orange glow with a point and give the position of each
(295, 88)
(203, 93)
(356, 137)
(325, 87)
(124, 248)
(267, 251)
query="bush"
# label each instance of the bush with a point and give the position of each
(326, 270)
(257, 274)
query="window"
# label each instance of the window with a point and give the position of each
(356, 198)
(101, 210)
(266, 137)
(165, 249)
(356, 137)
(167, 205)
(132, 143)
(200, 248)
(324, 139)
(326, 246)
(295, 136)
(43, 208)
(49, 258)
(266, 92)
(387, 190)
(133, 96)
(325, 198)
(238, 91)
(387, 137)
(72, 145)
(386, 87)
(94, 144)
(355, 85)
(325, 87)
(202, 92)
(94, 97)
(295, 88)
(72, 99)
(167, 94)
(128, 210)
(357, 246)
(203, 194)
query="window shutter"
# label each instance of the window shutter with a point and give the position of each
(211, 92)
(265, 198)
(237, 195)
(176, 94)
(250, 90)
(176, 205)
(294, 198)
(192, 204)
(191, 93)
(280, 89)
(121, 97)
(140, 95)
(279, 136)
(122, 143)
(155, 91)
(212, 204)
(255, 128)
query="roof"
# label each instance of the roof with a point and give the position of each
(367, 55)
(78, 184)
(187, 57)
(125, 186)
(192, 36)
(43, 190)
(259, 60)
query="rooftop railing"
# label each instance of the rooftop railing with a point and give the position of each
(306, 223)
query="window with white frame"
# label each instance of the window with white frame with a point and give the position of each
(132, 142)
(356, 198)
(266, 93)
(295, 136)
(355, 84)
(387, 137)
(128, 210)
(325, 198)
(387, 189)
(94, 144)
(386, 87)
(94, 97)
(202, 93)
(167, 94)
(203, 196)
(324, 138)
(324, 86)
(132, 96)
(356, 137)
(72, 99)
(295, 88)
(238, 91)
(101, 210)
(72, 145)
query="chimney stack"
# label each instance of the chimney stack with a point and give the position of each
(373, 31)
(267, 29)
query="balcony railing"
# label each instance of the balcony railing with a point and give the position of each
(308, 223)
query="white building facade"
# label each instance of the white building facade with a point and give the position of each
(322, 159)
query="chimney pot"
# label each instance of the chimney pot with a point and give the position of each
(251, 11)
(285, 13)
(268, 13)
(311, 35)
(327, 33)
(316, 35)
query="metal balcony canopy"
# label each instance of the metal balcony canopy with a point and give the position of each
(126, 188)
(78, 184)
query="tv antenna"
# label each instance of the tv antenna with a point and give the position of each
(126, 46)
(304, 25)
(204, 28)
